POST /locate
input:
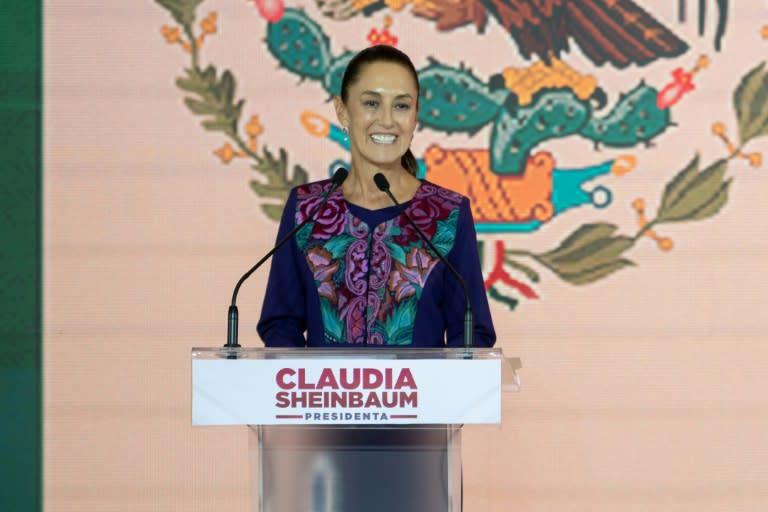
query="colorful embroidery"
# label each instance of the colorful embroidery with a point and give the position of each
(368, 280)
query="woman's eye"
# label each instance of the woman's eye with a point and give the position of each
(403, 106)
(370, 103)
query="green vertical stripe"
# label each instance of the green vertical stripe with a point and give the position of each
(20, 256)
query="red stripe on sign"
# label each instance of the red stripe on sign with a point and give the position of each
(289, 416)
(402, 416)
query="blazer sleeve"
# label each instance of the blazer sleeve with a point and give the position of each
(283, 317)
(465, 258)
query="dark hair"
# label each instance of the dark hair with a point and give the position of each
(381, 53)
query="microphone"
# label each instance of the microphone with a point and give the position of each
(383, 184)
(232, 318)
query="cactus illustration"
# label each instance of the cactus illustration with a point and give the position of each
(299, 44)
(635, 119)
(335, 73)
(515, 133)
(455, 100)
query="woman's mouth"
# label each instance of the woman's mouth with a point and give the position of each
(383, 139)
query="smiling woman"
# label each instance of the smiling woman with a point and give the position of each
(361, 272)
(378, 106)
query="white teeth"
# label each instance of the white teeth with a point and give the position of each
(383, 139)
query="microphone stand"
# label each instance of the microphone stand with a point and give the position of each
(232, 315)
(469, 323)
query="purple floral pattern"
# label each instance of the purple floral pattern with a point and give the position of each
(404, 279)
(369, 280)
(329, 221)
(323, 268)
(356, 264)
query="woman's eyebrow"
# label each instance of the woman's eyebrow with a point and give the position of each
(399, 96)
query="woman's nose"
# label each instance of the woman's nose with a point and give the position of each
(385, 117)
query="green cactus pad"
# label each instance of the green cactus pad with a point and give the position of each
(634, 119)
(335, 73)
(553, 114)
(299, 44)
(454, 100)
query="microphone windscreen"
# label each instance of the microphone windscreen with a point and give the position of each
(381, 182)
(339, 176)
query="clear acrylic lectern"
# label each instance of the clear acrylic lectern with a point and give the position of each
(352, 430)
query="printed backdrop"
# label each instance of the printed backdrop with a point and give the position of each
(614, 155)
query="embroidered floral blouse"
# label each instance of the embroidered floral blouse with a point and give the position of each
(365, 277)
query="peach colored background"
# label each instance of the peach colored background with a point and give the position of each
(645, 391)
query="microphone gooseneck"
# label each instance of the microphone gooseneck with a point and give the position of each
(232, 316)
(383, 184)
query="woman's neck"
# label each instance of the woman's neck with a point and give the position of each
(360, 189)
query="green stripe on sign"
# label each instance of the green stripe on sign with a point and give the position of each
(20, 256)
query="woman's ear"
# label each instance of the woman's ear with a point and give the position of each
(341, 111)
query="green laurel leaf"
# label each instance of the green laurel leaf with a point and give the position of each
(193, 82)
(300, 176)
(183, 11)
(714, 205)
(589, 254)
(750, 100)
(267, 190)
(592, 274)
(696, 195)
(496, 295)
(595, 253)
(275, 171)
(219, 125)
(676, 187)
(583, 236)
(226, 88)
(214, 98)
(273, 211)
(200, 107)
(525, 269)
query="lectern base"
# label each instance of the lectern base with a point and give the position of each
(356, 469)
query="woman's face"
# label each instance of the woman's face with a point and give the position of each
(380, 114)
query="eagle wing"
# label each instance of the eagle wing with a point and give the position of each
(619, 32)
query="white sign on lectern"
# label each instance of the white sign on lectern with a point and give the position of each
(319, 387)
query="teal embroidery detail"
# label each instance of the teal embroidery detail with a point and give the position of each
(369, 280)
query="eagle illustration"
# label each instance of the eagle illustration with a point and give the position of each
(618, 32)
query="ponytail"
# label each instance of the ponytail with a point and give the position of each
(408, 161)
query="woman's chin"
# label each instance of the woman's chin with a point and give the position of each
(385, 159)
